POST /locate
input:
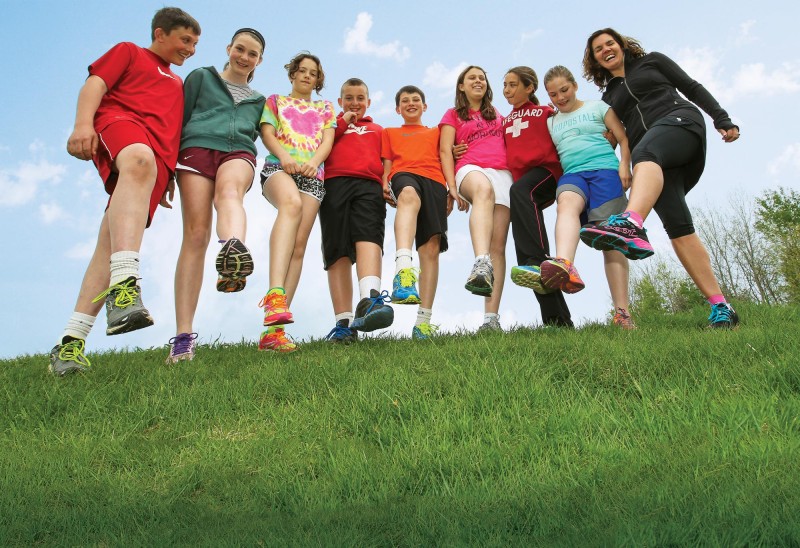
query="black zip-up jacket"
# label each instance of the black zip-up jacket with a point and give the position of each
(648, 93)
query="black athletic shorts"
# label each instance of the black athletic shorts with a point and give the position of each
(432, 217)
(353, 211)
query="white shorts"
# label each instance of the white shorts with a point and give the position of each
(501, 182)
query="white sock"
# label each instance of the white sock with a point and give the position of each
(423, 316)
(345, 316)
(78, 326)
(368, 283)
(124, 264)
(487, 317)
(402, 260)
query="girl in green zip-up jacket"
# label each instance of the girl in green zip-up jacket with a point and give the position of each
(216, 167)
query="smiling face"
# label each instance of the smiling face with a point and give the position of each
(474, 86)
(304, 79)
(411, 107)
(176, 46)
(355, 99)
(244, 55)
(608, 54)
(562, 93)
(514, 91)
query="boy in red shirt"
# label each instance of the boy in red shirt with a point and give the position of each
(413, 182)
(128, 122)
(352, 218)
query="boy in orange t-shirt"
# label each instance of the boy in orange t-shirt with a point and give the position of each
(413, 182)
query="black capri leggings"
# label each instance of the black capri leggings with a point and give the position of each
(673, 148)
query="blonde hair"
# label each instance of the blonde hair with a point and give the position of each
(559, 71)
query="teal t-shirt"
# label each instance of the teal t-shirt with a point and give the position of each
(578, 136)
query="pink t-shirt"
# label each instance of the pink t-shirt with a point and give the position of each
(484, 137)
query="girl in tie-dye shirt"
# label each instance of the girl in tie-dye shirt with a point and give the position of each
(298, 132)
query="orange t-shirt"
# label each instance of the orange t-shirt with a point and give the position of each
(413, 149)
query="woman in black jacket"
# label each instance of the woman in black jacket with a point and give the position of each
(667, 136)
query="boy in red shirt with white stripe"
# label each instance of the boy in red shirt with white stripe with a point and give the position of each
(128, 122)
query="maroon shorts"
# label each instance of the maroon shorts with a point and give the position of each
(206, 162)
(114, 138)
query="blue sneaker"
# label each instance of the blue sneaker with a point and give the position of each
(423, 331)
(620, 234)
(342, 333)
(529, 276)
(404, 287)
(723, 316)
(372, 313)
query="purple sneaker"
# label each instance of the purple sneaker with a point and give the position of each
(620, 234)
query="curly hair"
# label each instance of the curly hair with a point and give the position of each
(462, 104)
(294, 65)
(527, 76)
(592, 70)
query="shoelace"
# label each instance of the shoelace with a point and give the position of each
(408, 276)
(720, 313)
(278, 338)
(427, 329)
(339, 332)
(382, 298)
(125, 296)
(73, 352)
(276, 300)
(182, 344)
(484, 268)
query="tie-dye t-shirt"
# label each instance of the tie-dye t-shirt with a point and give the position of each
(298, 126)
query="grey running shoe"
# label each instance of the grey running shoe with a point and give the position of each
(372, 313)
(124, 309)
(181, 347)
(481, 279)
(68, 357)
(234, 264)
(491, 325)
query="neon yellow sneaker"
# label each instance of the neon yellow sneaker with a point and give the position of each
(423, 331)
(275, 339)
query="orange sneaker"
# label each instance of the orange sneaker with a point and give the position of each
(623, 319)
(276, 311)
(275, 339)
(561, 274)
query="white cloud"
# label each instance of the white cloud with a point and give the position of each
(526, 37)
(356, 40)
(744, 36)
(790, 157)
(18, 186)
(440, 77)
(705, 66)
(51, 213)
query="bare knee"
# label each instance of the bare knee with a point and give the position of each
(138, 163)
(408, 197)
(197, 235)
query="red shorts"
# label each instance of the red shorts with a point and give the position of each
(206, 162)
(115, 137)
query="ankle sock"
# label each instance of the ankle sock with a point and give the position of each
(635, 218)
(402, 260)
(423, 316)
(716, 299)
(345, 316)
(124, 264)
(368, 283)
(489, 316)
(78, 326)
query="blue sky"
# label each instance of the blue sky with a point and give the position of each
(51, 203)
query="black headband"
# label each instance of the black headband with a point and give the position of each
(254, 32)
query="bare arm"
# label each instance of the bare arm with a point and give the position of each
(447, 137)
(270, 140)
(617, 130)
(309, 169)
(84, 141)
(387, 168)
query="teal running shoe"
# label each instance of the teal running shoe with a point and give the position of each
(423, 331)
(723, 316)
(404, 287)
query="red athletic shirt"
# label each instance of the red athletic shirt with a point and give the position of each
(356, 150)
(413, 149)
(141, 89)
(528, 142)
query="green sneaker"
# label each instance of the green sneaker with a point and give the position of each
(529, 276)
(423, 331)
(68, 357)
(124, 309)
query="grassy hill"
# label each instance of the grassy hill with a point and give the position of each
(672, 434)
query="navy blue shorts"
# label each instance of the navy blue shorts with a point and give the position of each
(600, 189)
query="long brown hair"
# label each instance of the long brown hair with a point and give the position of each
(592, 70)
(527, 76)
(462, 104)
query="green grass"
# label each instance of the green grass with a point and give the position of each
(668, 435)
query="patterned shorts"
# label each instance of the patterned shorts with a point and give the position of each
(307, 185)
